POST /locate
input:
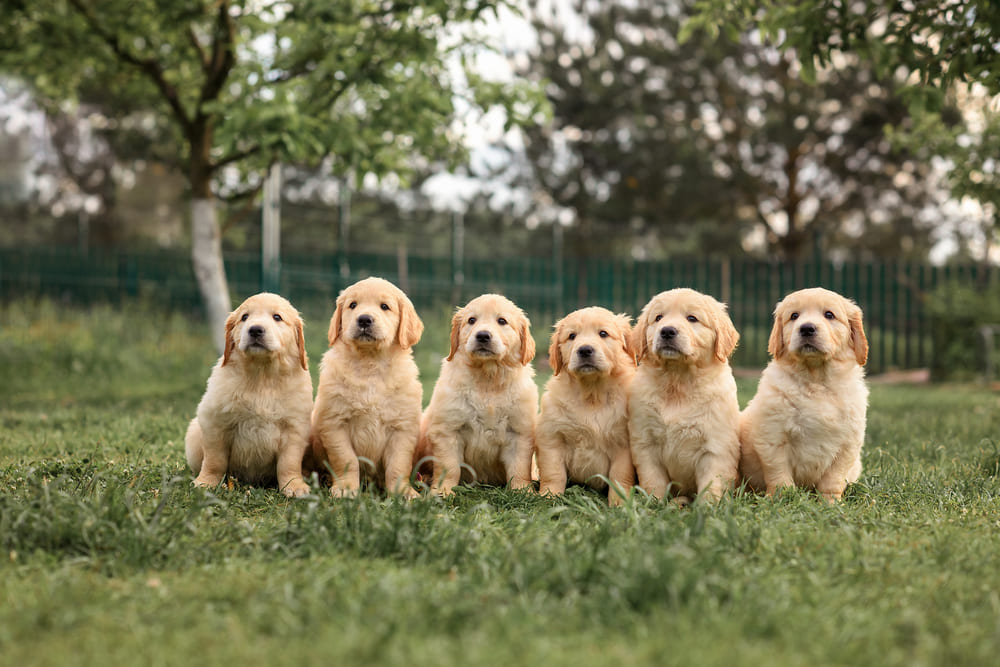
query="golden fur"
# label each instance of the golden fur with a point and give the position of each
(683, 409)
(253, 421)
(480, 422)
(806, 425)
(369, 396)
(582, 432)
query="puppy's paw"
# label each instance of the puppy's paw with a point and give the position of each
(343, 492)
(296, 489)
(207, 481)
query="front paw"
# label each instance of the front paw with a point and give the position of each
(343, 492)
(296, 489)
(207, 481)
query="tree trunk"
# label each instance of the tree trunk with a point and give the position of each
(206, 253)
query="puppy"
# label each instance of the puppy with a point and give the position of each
(582, 432)
(480, 422)
(253, 421)
(369, 397)
(806, 425)
(683, 410)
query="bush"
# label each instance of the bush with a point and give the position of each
(957, 312)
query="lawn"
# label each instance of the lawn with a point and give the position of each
(109, 556)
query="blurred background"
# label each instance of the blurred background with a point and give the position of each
(564, 153)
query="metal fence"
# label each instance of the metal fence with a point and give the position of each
(891, 294)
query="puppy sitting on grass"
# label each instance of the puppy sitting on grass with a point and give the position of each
(253, 421)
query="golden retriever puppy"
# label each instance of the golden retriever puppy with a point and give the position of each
(367, 413)
(683, 410)
(253, 421)
(582, 431)
(480, 422)
(806, 425)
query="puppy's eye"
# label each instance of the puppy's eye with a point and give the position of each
(829, 315)
(472, 320)
(277, 317)
(602, 333)
(692, 318)
(353, 305)
(658, 318)
(793, 316)
(385, 306)
(245, 316)
(572, 336)
(501, 321)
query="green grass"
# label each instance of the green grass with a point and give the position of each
(109, 556)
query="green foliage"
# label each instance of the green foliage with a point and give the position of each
(958, 311)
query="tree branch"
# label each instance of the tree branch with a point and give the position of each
(223, 56)
(235, 157)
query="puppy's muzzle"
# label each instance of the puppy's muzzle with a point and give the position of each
(667, 344)
(809, 338)
(585, 360)
(484, 342)
(257, 338)
(364, 328)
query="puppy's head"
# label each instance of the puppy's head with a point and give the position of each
(265, 328)
(490, 328)
(591, 342)
(374, 313)
(818, 325)
(684, 326)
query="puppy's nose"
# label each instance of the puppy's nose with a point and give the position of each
(483, 336)
(256, 331)
(365, 321)
(807, 330)
(666, 333)
(585, 352)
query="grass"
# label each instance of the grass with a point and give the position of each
(109, 556)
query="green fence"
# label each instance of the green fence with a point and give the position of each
(891, 294)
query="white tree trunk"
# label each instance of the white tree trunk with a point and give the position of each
(206, 253)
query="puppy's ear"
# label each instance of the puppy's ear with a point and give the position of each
(337, 321)
(624, 324)
(638, 336)
(456, 329)
(527, 342)
(776, 343)
(858, 339)
(410, 325)
(726, 335)
(555, 355)
(300, 339)
(230, 343)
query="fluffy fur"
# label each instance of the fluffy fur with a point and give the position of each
(367, 414)
(806, 425)
(253, 421)
(582, 432)
(683, 409)
(480, 422)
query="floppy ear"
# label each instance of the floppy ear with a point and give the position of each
(776, 343)
(527, 342)
(625, 331)
(555, 355)
(300, 338)
(638, 335)
(230, 343)
(858, 339)
(456, 328)
(726, 335)
(337, 321)
(410, 325)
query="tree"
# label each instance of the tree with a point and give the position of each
(223, 86)
(709, 143)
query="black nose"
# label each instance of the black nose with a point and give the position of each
(666, 333)
(365, 321)
(585, 352)
(807, 330)
(483, 336)
(256, 331)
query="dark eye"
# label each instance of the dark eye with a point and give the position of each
(829, 315)
(793, 316)
(245, 316)
(385, 306)
(658, 318)
(277, 317)
(354, 304)
(602, 333)
(572, 336)
(472, 320)
(692, 318)
(501, 321)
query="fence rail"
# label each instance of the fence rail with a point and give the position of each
(891, 294)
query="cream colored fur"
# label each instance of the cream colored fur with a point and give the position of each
(253, 420)
(683, 408)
